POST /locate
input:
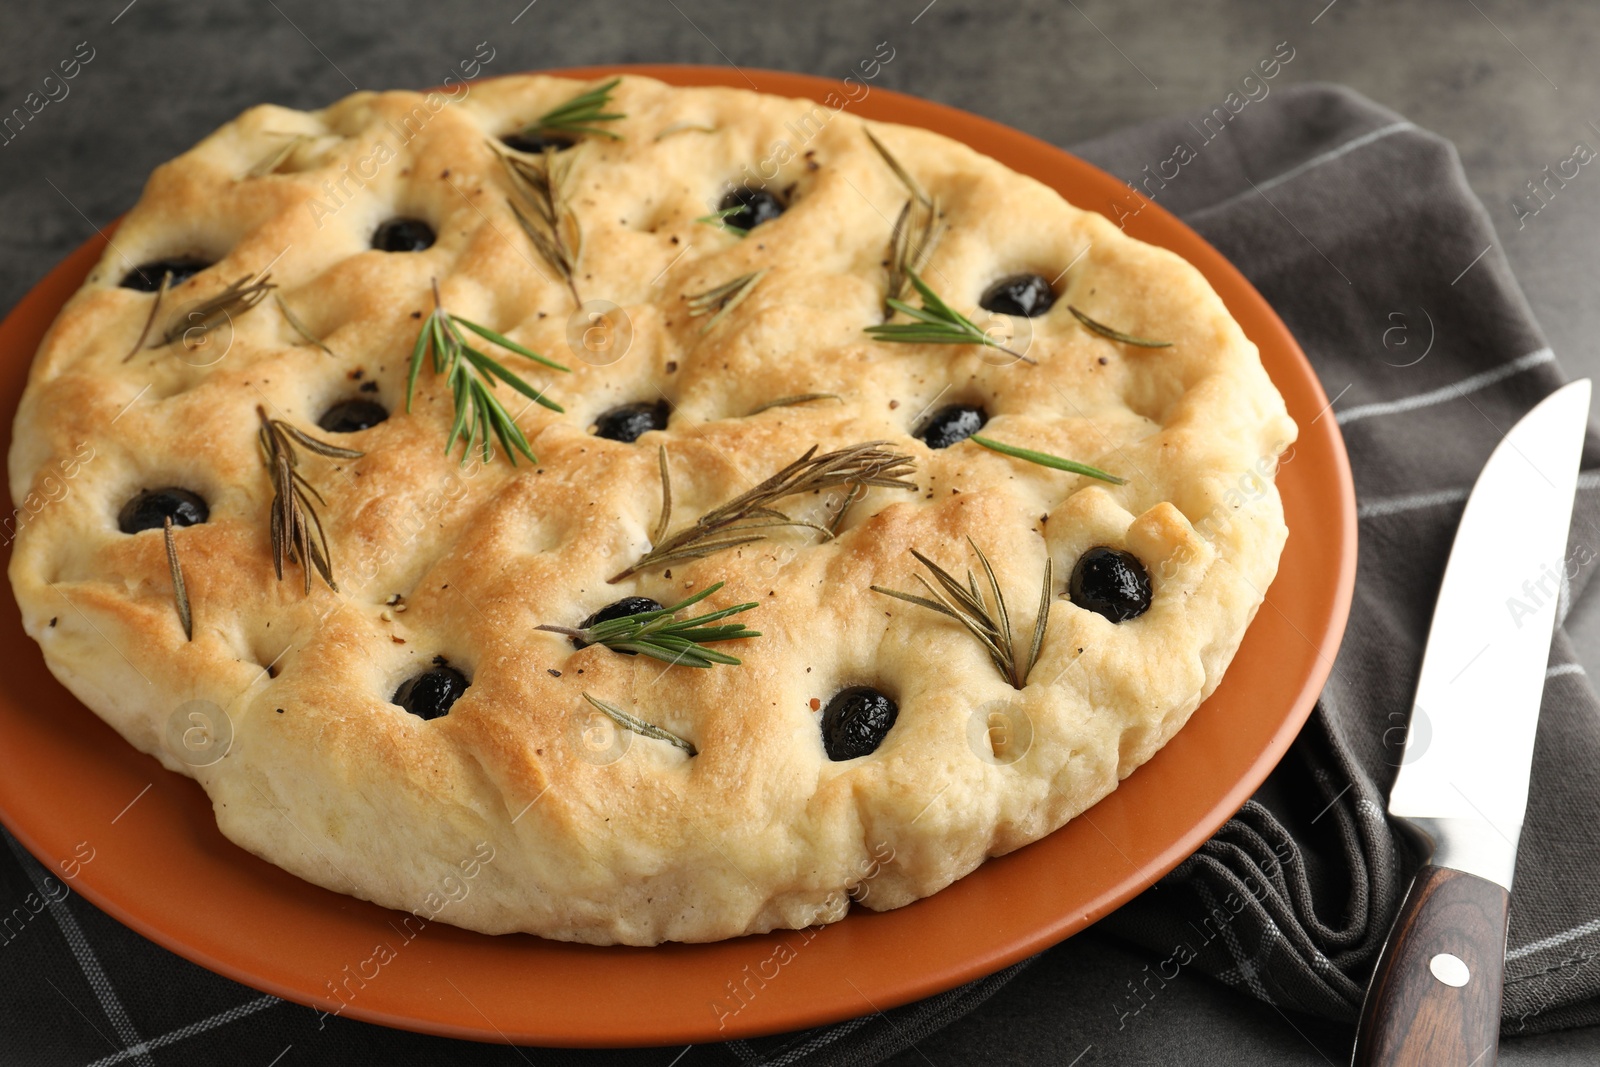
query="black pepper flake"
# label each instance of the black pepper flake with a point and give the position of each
(552, 672)
(279, 711)
(416, 314)
(672, 366)
(369, 387)
(357, 374)
(53, 620)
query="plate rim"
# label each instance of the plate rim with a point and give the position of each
(1154, 224)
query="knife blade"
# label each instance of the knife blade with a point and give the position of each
(1463, 781)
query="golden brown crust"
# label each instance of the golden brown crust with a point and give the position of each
(327, 778)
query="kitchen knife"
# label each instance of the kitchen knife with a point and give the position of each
(1463, 782)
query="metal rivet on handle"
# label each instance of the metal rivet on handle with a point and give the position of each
(1450, 970)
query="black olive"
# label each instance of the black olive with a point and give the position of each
(1021, 294)
(150, 508)
(536, 143)
(430, 694)
(855, 722)
(755, 207)
(348, 416)
(403, 235)
(952, 425)
(618, 609)
(146, 277)
(628, 422)
(1110, 582)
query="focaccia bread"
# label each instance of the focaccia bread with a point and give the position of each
(730, 252)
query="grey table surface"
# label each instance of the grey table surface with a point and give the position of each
(1512, 82)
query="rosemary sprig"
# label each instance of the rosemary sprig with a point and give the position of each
(915, 230)
(1115, 335)
(297, 533)
(788, 401)
(662, 635)
(936, 323)
(741, 519)
(720, 219)
(239, 297)
(724, 298)
(1045, 459)
(150, 320)
(989, 623)
(579, 114)
(639, 726)
(478, 411)
(299, 327)
(180, 594)
(549, 221)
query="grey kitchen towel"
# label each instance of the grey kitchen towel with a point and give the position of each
(1361, 230)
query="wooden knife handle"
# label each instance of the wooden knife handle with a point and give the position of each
(1434, 1000)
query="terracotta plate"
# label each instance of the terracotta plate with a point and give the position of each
(69, 784)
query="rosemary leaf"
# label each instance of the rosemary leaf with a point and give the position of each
(296, 528)
(787, 401)
(662, 635)
(299, 327)
(509, 345)
(911, 184)
(741, 520)
(720, 219)
(150, 320)
(1115, 335)
(854, 493)
(579, 114)
(935, 322)
(270, 163)
(639, 726)
(984, 616)
(244, 294)
(1045, 459)
(724, 298)
(1041, 619)
(666, 497)
(479, 415)
(179, 593)
(682, 127)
